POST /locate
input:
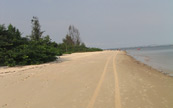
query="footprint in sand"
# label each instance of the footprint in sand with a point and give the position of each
(25, 78)
(4, 105)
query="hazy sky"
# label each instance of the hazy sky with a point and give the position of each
(102, 23)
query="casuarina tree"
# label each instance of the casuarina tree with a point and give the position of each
(36, 33)
(75, 35)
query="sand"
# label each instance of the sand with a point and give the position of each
(107, 79)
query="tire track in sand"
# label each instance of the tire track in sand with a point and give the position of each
(94, 96)
(117, 89)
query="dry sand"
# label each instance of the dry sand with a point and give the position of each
(108, 79)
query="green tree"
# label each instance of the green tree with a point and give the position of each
(36, 33)
(17, 50)
(72, 42)
(68, 42)
(10, 39)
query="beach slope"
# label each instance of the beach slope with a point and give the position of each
(107, 79)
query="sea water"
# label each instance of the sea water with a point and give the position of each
(158, 57)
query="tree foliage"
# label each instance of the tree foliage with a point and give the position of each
(36, 49)
(36, 29)
(72, 42)
(75, 35)
(17, 50)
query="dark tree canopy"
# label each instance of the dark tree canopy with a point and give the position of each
(18, 50)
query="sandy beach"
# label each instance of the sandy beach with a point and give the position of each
(107, 79)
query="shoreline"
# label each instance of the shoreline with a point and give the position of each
(66, 84)
(142, 83)
(148, 66)
(7, 70)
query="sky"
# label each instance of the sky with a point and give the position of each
(101, 23)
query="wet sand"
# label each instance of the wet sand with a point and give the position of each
(108, 79)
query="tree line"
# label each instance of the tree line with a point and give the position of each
(36, 48)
